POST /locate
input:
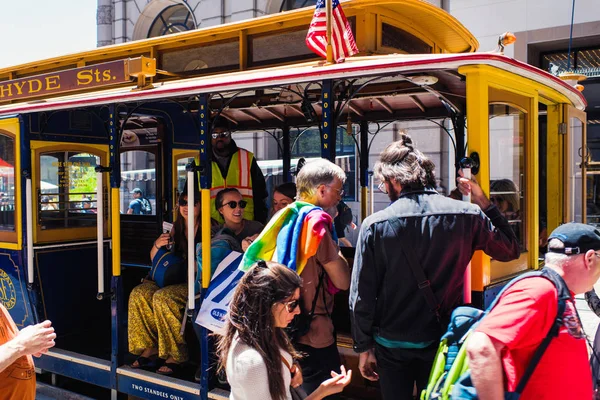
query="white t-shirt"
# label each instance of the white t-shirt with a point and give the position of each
(247, 373)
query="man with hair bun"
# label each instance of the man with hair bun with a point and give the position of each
(409, 267)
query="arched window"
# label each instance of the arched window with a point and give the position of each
(286, 5)
(163, 17)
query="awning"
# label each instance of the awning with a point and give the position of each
(139, 175)
(275, 167)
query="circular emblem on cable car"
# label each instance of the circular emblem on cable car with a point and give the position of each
(8, 294)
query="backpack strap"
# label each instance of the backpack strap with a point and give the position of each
(563, 294)
(314, 303)
(422, 282)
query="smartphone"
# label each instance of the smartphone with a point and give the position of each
(167, 227)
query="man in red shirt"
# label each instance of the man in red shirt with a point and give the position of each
(508, 336)
(17, 373)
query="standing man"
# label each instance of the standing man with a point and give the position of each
(394, 327)
(505, 341)
(237, 168)
(321, 183)
(139, 204)
(17, 373)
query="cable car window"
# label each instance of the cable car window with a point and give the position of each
(138, 183)
(397, 38)
(507, 166)
(66, 195)
(182, 173)
(7, 183)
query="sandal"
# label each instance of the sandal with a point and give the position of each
(173, 369)
(151, 362)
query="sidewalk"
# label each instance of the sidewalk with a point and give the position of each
(589, 320)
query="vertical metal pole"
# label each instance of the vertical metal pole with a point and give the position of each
(100, 231)
(287, 154)
(191, 248)
(118, 314)
(329, 11)
(328, 131)
(364, 167)
(205, 185)
(29, 212)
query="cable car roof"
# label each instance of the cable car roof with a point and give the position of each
(399, 97)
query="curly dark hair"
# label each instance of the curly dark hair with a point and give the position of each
(250, 316)
(401, 162)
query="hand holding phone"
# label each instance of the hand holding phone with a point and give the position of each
(167, 228)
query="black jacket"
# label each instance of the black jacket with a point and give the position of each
(444, 233)
(259, 187)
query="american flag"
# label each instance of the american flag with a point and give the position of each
(342, 40)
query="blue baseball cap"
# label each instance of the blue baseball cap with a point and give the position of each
(577, 238)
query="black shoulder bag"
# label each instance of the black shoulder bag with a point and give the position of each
(300, 325)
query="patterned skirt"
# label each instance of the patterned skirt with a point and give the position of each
(155, 317)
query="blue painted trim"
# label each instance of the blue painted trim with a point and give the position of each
(328, 130)
(74, 370)
(118, 328)
(148, 390)
(204, 363)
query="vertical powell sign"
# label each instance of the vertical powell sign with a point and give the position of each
(29, 217)
(466, 165)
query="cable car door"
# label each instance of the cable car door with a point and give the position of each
(576, 160)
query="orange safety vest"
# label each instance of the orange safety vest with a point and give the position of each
(238, 177)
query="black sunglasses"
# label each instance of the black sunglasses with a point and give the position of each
(234, 204)
(221, 135)
(496, 199)
(184, 203)
(291, 305)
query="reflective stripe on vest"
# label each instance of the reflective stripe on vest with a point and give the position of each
(238, 177)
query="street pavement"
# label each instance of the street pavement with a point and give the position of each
(589, 320)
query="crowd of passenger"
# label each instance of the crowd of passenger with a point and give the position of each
(406, 280)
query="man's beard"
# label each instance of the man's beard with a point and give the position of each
(222, 151)
(393, 194)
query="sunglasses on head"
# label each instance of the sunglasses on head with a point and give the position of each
(184, 203)
(291, 305)
(218, 135)
(234, 204)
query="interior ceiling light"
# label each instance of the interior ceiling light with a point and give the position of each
(423, 80)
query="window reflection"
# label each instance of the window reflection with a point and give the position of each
(507, 166)
(138, 183)
(7, 183)
(67, 195)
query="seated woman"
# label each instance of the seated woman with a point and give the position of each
(283, 195)
(230, 205)
(255, 350)
(155, 314)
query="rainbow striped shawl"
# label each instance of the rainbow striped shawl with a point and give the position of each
(291, 237)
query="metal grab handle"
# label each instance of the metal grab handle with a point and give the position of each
(29, 216)
(100, 231)
(371, 193)
(466, 165)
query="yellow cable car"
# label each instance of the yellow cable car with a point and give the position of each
(80, 133)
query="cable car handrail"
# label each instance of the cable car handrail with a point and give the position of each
(54, 246)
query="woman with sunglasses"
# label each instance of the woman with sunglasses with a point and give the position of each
(255, 351)
(155, 314)
(230, 205)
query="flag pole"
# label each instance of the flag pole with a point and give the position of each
(329, 10)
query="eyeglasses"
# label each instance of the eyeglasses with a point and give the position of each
(218, 135)
(234, 204)
(382, 188)
(496, 199)
(184, 203)
(291, 305)
(340, 191)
